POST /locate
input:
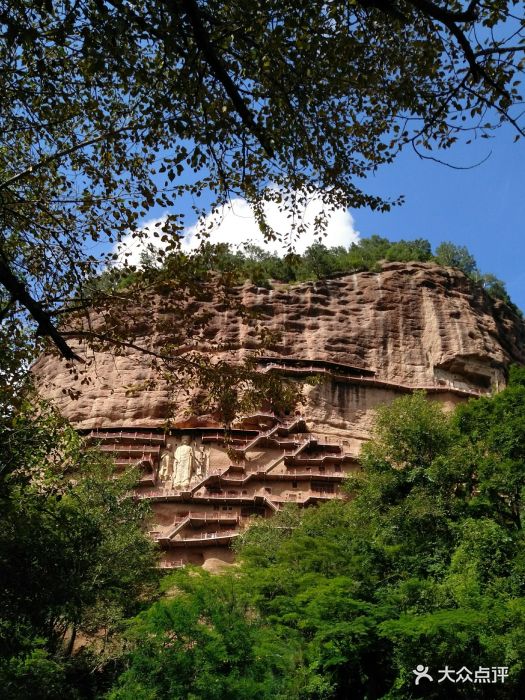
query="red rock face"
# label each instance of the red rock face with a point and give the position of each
(371, 336)
(413, 325)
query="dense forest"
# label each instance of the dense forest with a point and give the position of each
(422, 564)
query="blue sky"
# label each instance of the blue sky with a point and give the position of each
(482, 208)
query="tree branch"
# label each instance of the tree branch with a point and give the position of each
(119, 342)
(60, 154)
(6, 308)
(500, 50)
(444, 15)
(499, 109)
(192, 12)
(200, 35)
(19, 293)
(449, 20)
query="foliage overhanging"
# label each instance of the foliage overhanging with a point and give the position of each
(109, 109)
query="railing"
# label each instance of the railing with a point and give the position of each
(311, 369)
(204, 479)
(168, 493)
(304, 496)
(263, 434)
(224, 496)
(305, 459)
(149, 449)
(220, 437)
(235, 477)
(180, 523)
(177, 564)
(315, 475)
(444, 385)
(121, 435)
(205, 535)
(134, 460)
(212, 516)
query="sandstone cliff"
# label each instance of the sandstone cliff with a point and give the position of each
(368, 336)
(407, 326)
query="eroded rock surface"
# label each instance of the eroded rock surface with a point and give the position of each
(411, 325)
(370, 337)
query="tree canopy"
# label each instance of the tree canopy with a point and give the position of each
(423, 564)
(250, 262)
(74, 559)
(110, 109)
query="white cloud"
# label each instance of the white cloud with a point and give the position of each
(235, 224)
(131, 247)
